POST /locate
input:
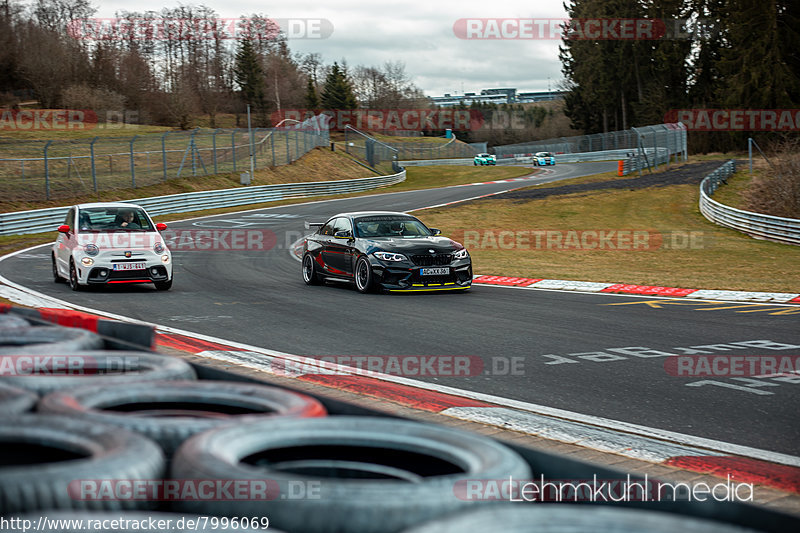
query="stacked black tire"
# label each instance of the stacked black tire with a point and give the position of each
(111, 416)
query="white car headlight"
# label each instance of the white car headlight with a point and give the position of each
(91, 249)
(389, 256)
(87, 261)
(165, 258)
(461, 254)
(158, 248)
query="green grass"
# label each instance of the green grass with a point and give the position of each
(101, 130)
(447, 175)
(732, 193)
(391, 139)
(717, 258)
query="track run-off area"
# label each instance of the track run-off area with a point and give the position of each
(600, 357)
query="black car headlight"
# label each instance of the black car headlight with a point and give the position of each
(390, 256)
(461, 254)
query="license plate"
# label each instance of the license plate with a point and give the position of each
(434, 271)
(130, 266)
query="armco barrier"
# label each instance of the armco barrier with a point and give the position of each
(757, 225)
(42, 220)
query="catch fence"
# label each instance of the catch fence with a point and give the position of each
(664, 140)
(36, 170)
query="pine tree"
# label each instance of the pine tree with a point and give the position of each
(312, 100)
(760, 61)
(337, 93)
(616, 83)
(250, 76)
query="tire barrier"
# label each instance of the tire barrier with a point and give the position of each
(340, 472)
(171, 412)
(56, 370)
(12, 322)
(44, 454)
(372, 474)
(137, 521)
(47, 339)
(565, 518)
(15, 400)
(141, 335)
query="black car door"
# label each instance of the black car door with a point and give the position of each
(345, 244)
(337, 249)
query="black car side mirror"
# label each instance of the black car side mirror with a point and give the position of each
(435, 231)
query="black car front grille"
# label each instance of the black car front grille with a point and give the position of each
(433, 279)
(432, 260)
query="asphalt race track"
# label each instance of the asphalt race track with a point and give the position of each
(567, 350)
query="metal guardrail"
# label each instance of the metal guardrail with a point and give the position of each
(757, 225)
(42, 220)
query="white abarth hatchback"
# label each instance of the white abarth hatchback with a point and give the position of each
(109, 243)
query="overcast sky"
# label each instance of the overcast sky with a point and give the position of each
(417, 32)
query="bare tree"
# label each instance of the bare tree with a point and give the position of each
(56, 15)
(311, 64)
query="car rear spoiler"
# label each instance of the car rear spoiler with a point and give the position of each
(310, 225)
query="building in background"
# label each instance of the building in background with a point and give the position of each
(496, 96)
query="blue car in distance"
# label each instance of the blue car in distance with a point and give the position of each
(544, 158)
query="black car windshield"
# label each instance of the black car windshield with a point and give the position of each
(388, 226)
(101, 219)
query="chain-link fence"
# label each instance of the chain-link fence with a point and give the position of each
(367, 148)
(430, 150)
(375, 151)
(660, 139)
(34, 170)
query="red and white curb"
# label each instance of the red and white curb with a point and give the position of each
(639, 290)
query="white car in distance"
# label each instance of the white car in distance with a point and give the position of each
(110, 243)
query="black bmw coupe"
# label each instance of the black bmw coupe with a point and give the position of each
(380, 250)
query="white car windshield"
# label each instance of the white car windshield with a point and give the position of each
(102, 219)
